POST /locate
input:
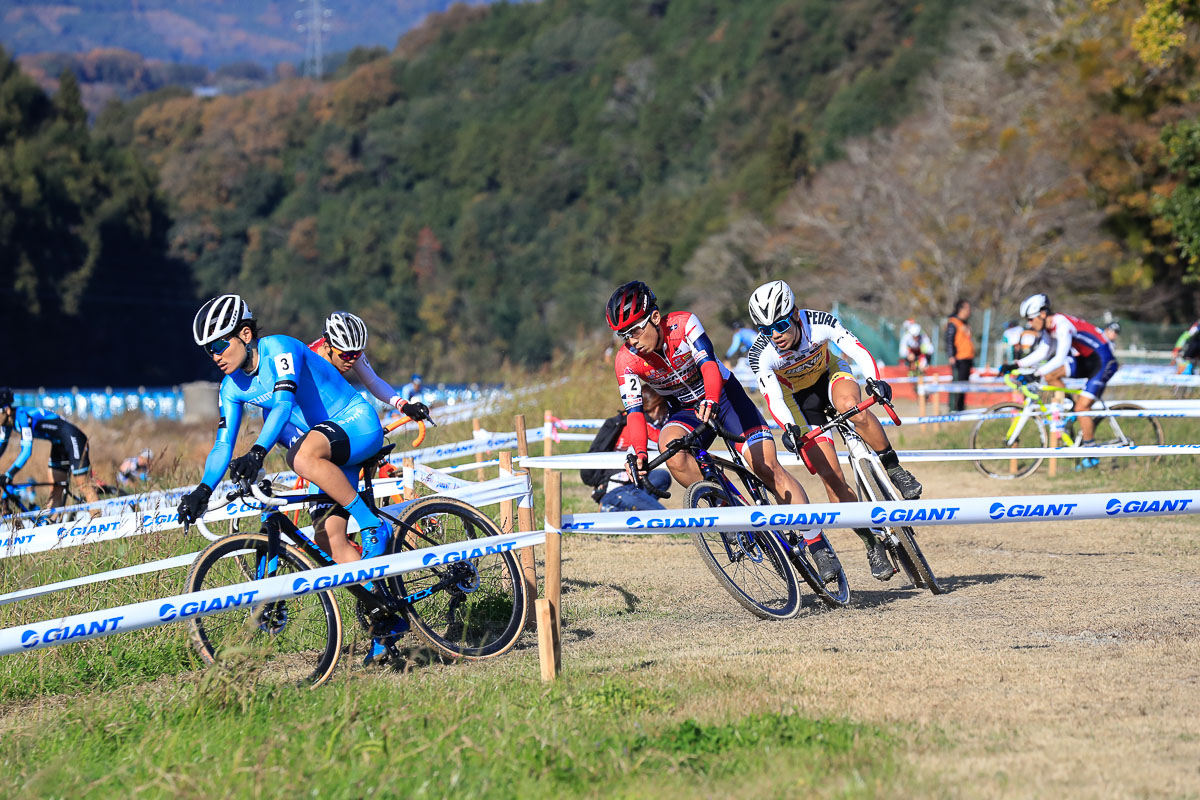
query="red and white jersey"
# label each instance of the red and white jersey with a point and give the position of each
(1064, 334)
(675, 369)
(365, 373)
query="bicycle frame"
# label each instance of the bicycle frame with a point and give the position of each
(1032, 392)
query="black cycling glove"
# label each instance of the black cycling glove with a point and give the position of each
(792, 437)
(1007, 368)
(248, 466)
(880, 389)
(193, 504)
(415, 410)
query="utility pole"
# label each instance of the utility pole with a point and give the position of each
(313, 20)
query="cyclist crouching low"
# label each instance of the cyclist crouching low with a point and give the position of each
(800, 378)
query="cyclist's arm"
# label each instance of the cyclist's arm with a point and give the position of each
(282, 364)
(1037, 355)
(631, 397)
(734, 346)
(849, 344)
(1062, 348)
(26, 445)
(222, 450)
(706, 358)
(762, 359)
(375, 384)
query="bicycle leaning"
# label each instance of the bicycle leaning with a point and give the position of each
(1028, 423)
(759, 568)
(873, 484)
(470, 609)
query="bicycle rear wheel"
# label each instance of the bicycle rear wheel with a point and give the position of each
(474, 608)
(300, 637)
(1002, 434)
(751, 565)
(1124, 431)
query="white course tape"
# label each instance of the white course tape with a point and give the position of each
(51, 537)
(150, 613)
(956, 511)
(483, 494)
(615, 460)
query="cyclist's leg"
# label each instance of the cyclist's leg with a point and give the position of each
(809, 405)
(321, 456)
(78, 452)
(738, 414)
(844, 394)
(1100, 372)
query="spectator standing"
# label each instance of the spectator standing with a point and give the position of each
(960, 347)
(743, 340)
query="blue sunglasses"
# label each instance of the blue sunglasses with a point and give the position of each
(779, 326)
(218, 347)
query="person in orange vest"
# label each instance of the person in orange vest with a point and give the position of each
(960, 348)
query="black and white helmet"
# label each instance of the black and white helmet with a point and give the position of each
(345, 331)
(771, 302)
(1034, 304)
(219, 317)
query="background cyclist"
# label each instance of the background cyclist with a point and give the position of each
(800, 378)
(135, 469)
(68, 448)
(343, 344)
(1075, 348)
(915, 348)
(674, 356)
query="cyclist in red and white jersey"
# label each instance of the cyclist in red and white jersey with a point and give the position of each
(1075, 348)
(673, 355)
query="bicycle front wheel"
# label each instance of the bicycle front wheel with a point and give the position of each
(1002, 434)
(474, 608)
(751, 565)
(902, 541)
(300, 637)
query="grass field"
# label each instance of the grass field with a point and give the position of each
(1062, 662)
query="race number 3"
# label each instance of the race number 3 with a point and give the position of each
(283, 364)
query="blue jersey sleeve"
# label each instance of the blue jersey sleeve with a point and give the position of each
(25, 426)
(227, 431)
(279, 365)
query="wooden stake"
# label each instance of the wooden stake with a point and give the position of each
(936, 411)
(507, 516)
(410, 481)
(479, 476)
(525, 515)
(554, 558)
(921, 399)
(545, 631)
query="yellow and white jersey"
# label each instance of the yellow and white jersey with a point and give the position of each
(783, 374)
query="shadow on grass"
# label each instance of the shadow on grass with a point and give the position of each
(573, 585)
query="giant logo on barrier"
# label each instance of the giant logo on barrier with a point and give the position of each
(881, 515)
(1115, 506)
(304, 585)
(31, 637)
(466, 555)
(168, 611)
(800, 519)
(1042, 510)
(637, 523)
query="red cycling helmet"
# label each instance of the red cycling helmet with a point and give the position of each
(630, 304)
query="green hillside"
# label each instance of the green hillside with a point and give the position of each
(477, 195)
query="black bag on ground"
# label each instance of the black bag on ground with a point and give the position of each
(606, 439)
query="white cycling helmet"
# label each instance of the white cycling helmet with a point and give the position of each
(219, 317)
(914, 329)
(345, 331)
(771, 302)
(1032, 305)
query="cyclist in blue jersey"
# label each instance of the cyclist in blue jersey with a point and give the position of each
(296, 388)
(68, 447)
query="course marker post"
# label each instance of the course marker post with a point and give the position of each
(554, 559)
(935, 402)
(410, 483)
(921, 397)
(545, 639)
(525, 513)
(507, 515)
(548, 428)
(479, 454)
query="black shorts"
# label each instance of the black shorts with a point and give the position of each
(1191, 348)
(69, 450)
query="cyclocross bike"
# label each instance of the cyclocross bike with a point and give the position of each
(874, 485)
(471, 609)
(759, 568)
(19, 509)
(1026, 424)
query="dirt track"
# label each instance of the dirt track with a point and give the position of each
(1065, 660)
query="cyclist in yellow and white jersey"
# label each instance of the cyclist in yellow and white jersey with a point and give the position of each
(800, 377)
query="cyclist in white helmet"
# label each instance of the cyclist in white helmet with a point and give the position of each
(343, 345)
(800, 378)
